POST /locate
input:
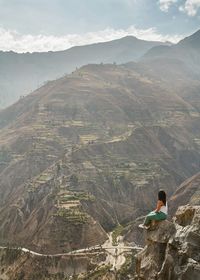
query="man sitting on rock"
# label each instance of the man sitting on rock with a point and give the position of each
(160, 213)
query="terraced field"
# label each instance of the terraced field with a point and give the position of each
(76, 155)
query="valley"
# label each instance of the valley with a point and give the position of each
(82, 159)
(106, 257)
(78, 155)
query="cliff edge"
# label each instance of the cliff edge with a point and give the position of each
(172, 250)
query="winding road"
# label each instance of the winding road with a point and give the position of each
(115, 254)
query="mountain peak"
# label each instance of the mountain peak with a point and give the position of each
(129, 37)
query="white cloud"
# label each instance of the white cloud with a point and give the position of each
(190, 7)
(166, 4)
(12, 40)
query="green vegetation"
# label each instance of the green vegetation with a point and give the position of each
(74, 179)
(96, 274)
(10, 256)
(76, 196)
(39, 275)
(117, 232)
(128, 268)
(44, 177)
(140, 172)
(5, 154)
(73, 216)
(20, 276)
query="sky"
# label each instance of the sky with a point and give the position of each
(51, 25)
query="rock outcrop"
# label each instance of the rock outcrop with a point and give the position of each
(172, 250)
(187, 193)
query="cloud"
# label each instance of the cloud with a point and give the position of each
(166, 4)
(12, 40)
(190, 7)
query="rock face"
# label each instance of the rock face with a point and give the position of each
(161, 232)
(172, 250)
(187, 193)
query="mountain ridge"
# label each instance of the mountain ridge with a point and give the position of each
(187, 51)
(23, 73)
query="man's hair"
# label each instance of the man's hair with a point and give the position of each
(162, 196)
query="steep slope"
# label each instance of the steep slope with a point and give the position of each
(23, 73)
(187, 193)
(175, 67)
(193, 41)
(76, 154)
(187, 51)
(184, 50)
(171, 252)
(172, 249)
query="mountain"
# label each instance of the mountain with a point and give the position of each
(187, 51)
(23, 73)
(192, 41)
(89, 151)
(187, 193)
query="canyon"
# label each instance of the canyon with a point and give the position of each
(85, 155)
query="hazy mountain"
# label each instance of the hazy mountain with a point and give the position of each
(192, 41)
(88, 151)
(22, 73)
(187, 51)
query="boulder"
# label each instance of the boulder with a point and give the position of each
(161, 232)
(185, 214)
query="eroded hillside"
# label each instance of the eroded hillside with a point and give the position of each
(87, 152)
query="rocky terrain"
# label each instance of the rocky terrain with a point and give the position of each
(16, 264)
(187, 193)
(172, 250)
(107, 261)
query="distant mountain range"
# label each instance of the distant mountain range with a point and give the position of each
(23, 73)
